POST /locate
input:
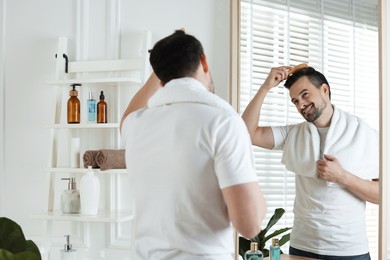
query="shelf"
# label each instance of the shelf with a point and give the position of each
(83, 170)
(101, 217)
(92, 80)
(85, 126)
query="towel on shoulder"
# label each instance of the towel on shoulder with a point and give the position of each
(352, 141)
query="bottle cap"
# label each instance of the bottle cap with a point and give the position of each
(90, 95)
(253, 246)
(101, 95)
(71, 183)
(89, 169)
(275, 242)
(74, 92)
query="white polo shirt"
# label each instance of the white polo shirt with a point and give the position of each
(179, 156)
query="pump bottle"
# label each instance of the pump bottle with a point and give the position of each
(73, 106)
(68, 253)
(102, 109)
(70, 198)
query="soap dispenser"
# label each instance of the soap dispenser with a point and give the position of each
(68, 253)
(74, 106)
(89, 193)
(70, 198)
(102, 109)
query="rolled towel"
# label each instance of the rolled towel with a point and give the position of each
(111, 159)
(89, 158)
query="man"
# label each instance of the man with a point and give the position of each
(335, 157)
(190, 160)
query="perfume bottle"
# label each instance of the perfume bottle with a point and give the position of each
(274, 250)
(253, 253)
(91, 106)
(102, 109)
(73, 106)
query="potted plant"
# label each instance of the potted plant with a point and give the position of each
(13, 244)
(263, 237)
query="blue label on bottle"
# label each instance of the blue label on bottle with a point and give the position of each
(91, 110)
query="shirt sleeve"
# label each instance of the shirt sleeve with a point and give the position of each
(280, 135)
(233, 154)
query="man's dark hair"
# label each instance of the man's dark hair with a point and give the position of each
(315, 77)
(176, 56)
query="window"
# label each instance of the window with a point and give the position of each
(338, 38)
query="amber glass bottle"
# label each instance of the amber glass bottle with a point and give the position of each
(74, 106)
(102, 109)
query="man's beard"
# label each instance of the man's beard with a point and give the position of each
(315, 112)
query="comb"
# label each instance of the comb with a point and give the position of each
(298, 68)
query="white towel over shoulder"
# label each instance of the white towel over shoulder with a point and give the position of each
(349, 139)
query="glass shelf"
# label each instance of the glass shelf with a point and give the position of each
(83, 170)
(90, 125)
(93, 81)
(101, 217)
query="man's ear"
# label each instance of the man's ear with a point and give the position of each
(203, 60)
(325, 88)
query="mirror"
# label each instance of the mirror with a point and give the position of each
(275, 34)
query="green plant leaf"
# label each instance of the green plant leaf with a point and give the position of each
(11, 236)
(265, 252)
(275, 233)
(27, 256)
(6, 255)
(32, 247)
(13, 241)
(243, 246)
(278, 213)
(284, 239)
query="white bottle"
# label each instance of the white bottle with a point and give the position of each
(89, 193)
(68, 253)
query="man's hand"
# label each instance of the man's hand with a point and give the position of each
(275, 76)
(330, 169)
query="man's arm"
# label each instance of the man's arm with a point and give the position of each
(331, 170)
(246, 208)
(262, 136)
(140, 99)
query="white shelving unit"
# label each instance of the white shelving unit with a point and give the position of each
(110, 75)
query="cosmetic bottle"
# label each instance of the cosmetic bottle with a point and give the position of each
(70, 198)
(91, 106)
(75, 152)
(89, 193)
(68, 253)
(102, 109)
(73, 106)
(274, 250)
(253, 253)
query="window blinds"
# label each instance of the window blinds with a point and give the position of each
(338, 38)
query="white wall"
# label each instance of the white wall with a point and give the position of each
(30, 36)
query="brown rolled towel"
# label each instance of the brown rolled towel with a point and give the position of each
(111, 159)
(89, 158)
